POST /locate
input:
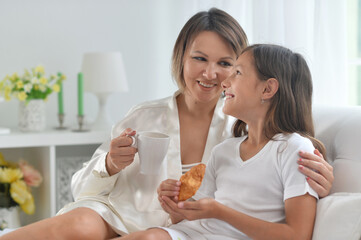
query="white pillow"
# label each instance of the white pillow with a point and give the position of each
(338, 217)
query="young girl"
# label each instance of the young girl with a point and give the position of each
(252, 189)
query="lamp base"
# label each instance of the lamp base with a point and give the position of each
(102, 121)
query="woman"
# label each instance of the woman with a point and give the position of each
(251, 188)
(111, 198)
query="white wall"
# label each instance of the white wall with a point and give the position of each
(57, 33)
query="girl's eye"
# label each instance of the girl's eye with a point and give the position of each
(199, 58)
(225, 64)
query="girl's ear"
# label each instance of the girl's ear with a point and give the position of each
(270, 88)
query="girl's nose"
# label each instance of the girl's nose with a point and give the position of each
(225, 83)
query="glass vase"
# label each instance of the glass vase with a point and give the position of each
(32, 116)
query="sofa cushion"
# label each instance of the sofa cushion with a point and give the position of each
(338, 217)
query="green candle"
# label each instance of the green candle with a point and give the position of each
(60, 98)
(80, 94)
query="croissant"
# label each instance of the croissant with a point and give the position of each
(191, 181)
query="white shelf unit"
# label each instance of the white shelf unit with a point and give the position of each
(43, 151)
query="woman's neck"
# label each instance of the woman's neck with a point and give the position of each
(188, 105)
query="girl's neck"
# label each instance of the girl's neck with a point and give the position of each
(254, 143)
(256, 136)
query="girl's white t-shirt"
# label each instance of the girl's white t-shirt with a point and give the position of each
(257, 187)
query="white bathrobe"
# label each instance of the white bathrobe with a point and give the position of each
(128, 200)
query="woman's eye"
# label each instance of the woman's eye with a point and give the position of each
(200, 58)
(225, 64)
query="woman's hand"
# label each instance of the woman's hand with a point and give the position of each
(192, 210)
(120, 154)
(319, 172)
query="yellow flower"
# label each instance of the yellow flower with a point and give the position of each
(19, 192)
(26, 73)
(56, 88)
(14, 77)
(22, 96)
(9, 175)
(63, 77)
(43, 80)
(28, 206)
(7, 93)
(19, 84)
(36, 87)
(39, 69)
(2, 160)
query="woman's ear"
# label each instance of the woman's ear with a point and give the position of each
(270, 88)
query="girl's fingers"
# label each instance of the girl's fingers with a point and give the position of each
(168, 193)
(168, 185)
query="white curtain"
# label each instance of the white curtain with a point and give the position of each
(314, 28)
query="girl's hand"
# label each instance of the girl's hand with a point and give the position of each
(321, 177)
(120, 154)
(170, 206)
(169, 188)
(192, 210)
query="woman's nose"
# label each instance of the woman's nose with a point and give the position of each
(210, 72)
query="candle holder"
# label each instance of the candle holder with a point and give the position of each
(81, 124)
(61, 122)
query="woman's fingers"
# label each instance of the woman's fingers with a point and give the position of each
(321, 191)
(319, 173)
(319, 166)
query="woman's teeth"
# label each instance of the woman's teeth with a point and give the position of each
(205, 85)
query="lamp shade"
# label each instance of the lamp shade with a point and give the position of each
(104, 72)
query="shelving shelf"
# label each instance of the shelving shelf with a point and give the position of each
(56, 154)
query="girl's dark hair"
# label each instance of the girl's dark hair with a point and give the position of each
(214, 20)
(291, 107)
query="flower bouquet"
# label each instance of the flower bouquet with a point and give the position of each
(31, 85)
(15, 183)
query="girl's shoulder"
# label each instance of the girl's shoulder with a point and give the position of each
(292, 141)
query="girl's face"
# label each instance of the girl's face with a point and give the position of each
(243, 89)
(208, 61)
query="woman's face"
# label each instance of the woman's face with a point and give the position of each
(208, 61)
(243, 89)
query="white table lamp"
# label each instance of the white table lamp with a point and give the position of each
(3, 130)
(103, 74)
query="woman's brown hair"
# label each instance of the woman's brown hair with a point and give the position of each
(214, 20)
(291, 107)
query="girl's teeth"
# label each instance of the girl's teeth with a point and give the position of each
(206, 85)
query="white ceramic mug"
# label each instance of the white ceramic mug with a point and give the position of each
(152, 149)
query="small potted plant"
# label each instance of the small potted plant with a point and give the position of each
(32, 90)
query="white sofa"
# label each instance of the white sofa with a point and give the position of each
(339, 214)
